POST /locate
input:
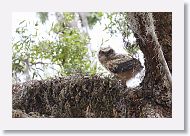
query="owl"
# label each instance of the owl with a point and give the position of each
(122, 66)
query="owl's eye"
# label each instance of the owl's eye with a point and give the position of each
(100, 52)
(110, 51)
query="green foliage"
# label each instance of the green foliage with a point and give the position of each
(93, 18)
(119, 25)
(132, 49)
(68, 50)
(68, 17)
(43, 16)
(22, 48)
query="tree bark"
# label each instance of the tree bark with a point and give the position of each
(163, 29)
(157, 83)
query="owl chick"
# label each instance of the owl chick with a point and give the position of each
(122, 66)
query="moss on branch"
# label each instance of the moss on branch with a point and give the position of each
(80, 97)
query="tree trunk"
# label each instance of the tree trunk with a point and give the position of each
(163, 24)
(157, 83)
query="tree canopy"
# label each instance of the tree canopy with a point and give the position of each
(65, 49)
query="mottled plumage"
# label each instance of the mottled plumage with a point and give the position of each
(122, 66)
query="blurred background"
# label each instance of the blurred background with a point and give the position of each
(49, 44)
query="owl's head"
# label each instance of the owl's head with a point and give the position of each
(105, 53)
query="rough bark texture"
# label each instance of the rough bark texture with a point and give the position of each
(98, 97)
(156, 84)
(163, 25)
(76, 96)
(82, 97)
